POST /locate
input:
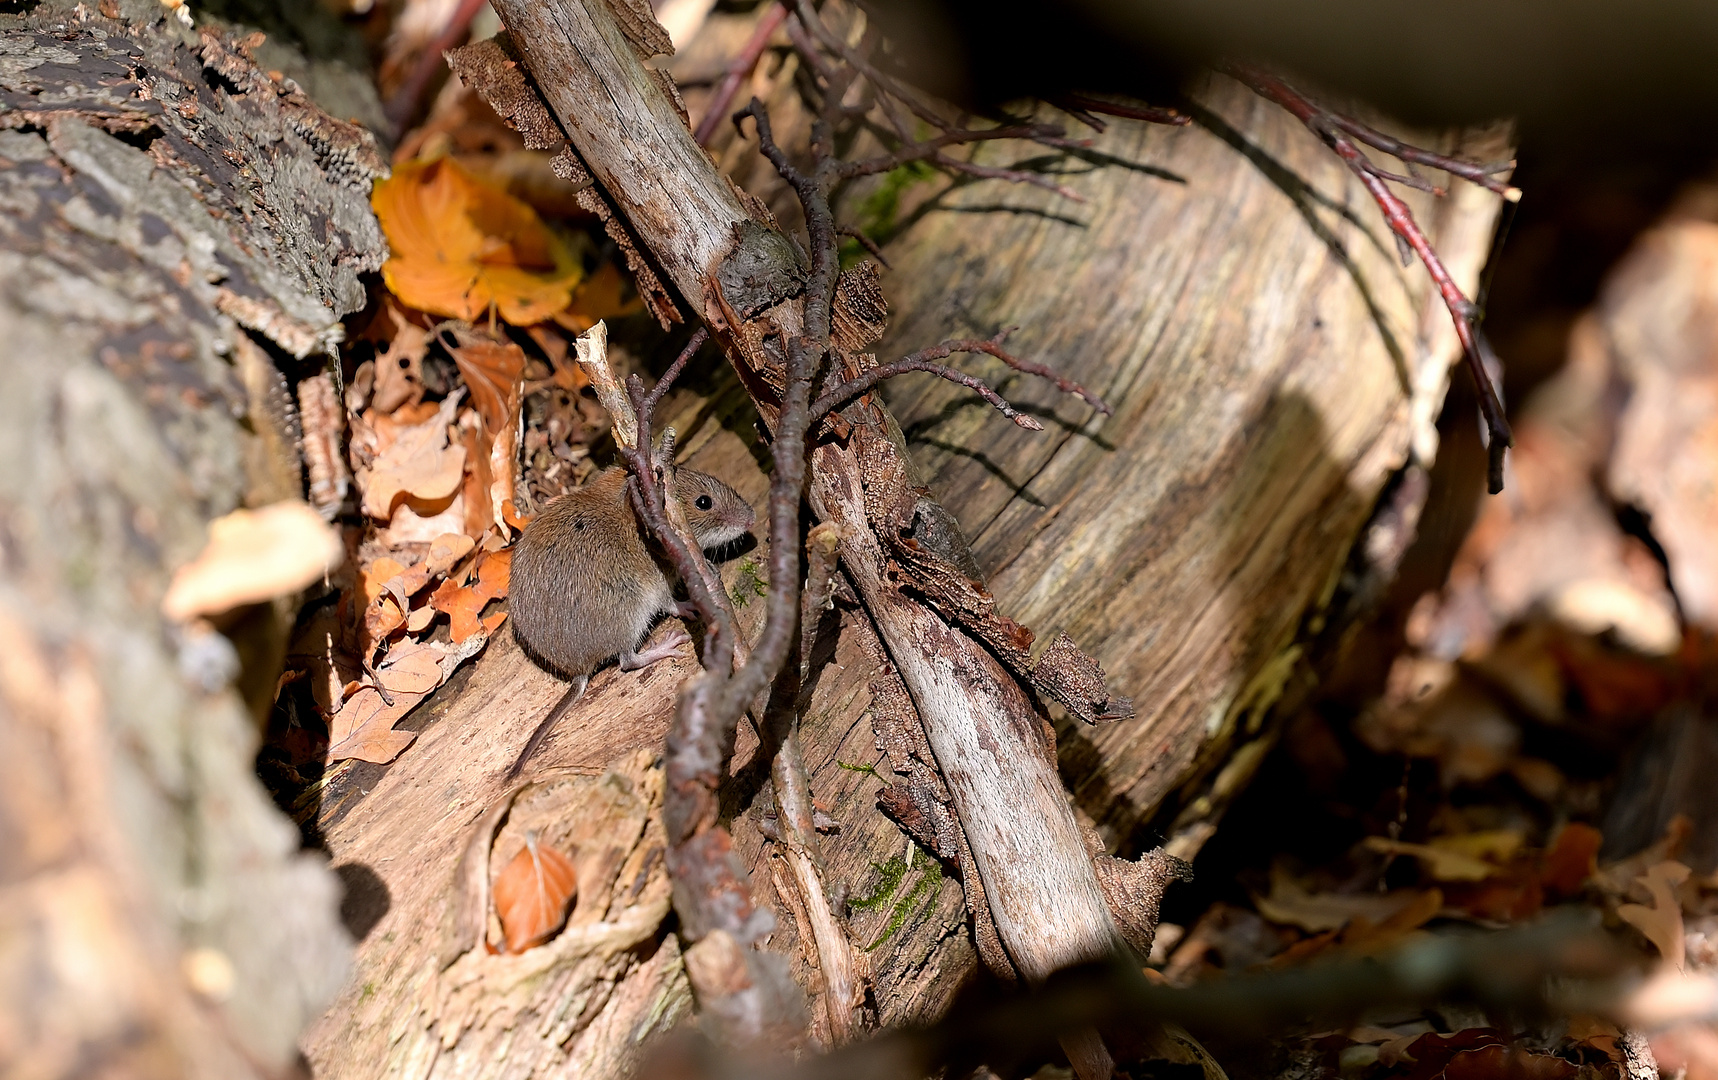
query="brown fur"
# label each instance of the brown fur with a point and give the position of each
(586, 589)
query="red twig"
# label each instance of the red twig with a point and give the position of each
(1463, 313)
(924, 360)
(852, 388)
(663, 384)
(741, 67)
(1081, 105)
(403, 106)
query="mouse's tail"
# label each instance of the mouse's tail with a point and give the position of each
(574, 691)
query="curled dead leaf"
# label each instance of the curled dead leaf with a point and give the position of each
(419, 464)
(533, 894)
(252, 556)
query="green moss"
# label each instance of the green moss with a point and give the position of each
(850, 766)
(751, 584)
(889, 879)
(877, 214)
(922, 895)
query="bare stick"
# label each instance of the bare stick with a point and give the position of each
(836, 396)
(865, 242)
(664, 384)
(1401, 220)
(852, 388)
(744, 61)
(1078, 104)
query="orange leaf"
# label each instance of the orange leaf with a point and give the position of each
(461, 245)
(464, 605)
(1572, 859)
(378, 574)
(533, 893)
(600, 297)
(510, 514)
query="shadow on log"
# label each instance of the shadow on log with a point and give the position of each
(1229, 289)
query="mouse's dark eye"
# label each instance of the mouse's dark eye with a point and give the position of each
(703, 502)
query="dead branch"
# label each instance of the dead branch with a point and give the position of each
(1335, 131)
(1027, 850)
(722, 99)
(923, 360)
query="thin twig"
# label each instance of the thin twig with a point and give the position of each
(837, 396)
(865, 242)
(1079, 105)
(1401, 220)
(667, 381)
(743, 63)
(923, 360)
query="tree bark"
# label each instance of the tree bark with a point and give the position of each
(1231, 291)
(169, 216)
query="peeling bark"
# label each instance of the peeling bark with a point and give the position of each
(161, 201)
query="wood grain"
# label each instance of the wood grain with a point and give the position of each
(1231, 291)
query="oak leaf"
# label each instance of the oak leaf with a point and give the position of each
(533, 893)
(364, 727)
(464, 604)
(1662, 922)
(461, 246)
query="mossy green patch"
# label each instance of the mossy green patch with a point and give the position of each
(750, 584)
(877, 214)
(851, 766)
(916, 899)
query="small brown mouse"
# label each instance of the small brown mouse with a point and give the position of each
(585, 588)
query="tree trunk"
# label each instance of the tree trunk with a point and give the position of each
(169, 215)
(1230, 290)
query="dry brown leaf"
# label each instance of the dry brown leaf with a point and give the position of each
(533, 893)
(460, 246)
(1442, 864)
(1662, 922)
(1291, 905)
(1573, 858)
(363, 728)
(411, 669)
(1597, 1033)
(1363, 936)
(399, 372)
(252, 556)
(446, 550)
(504, 464)
(493, 371)
(419, 464)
